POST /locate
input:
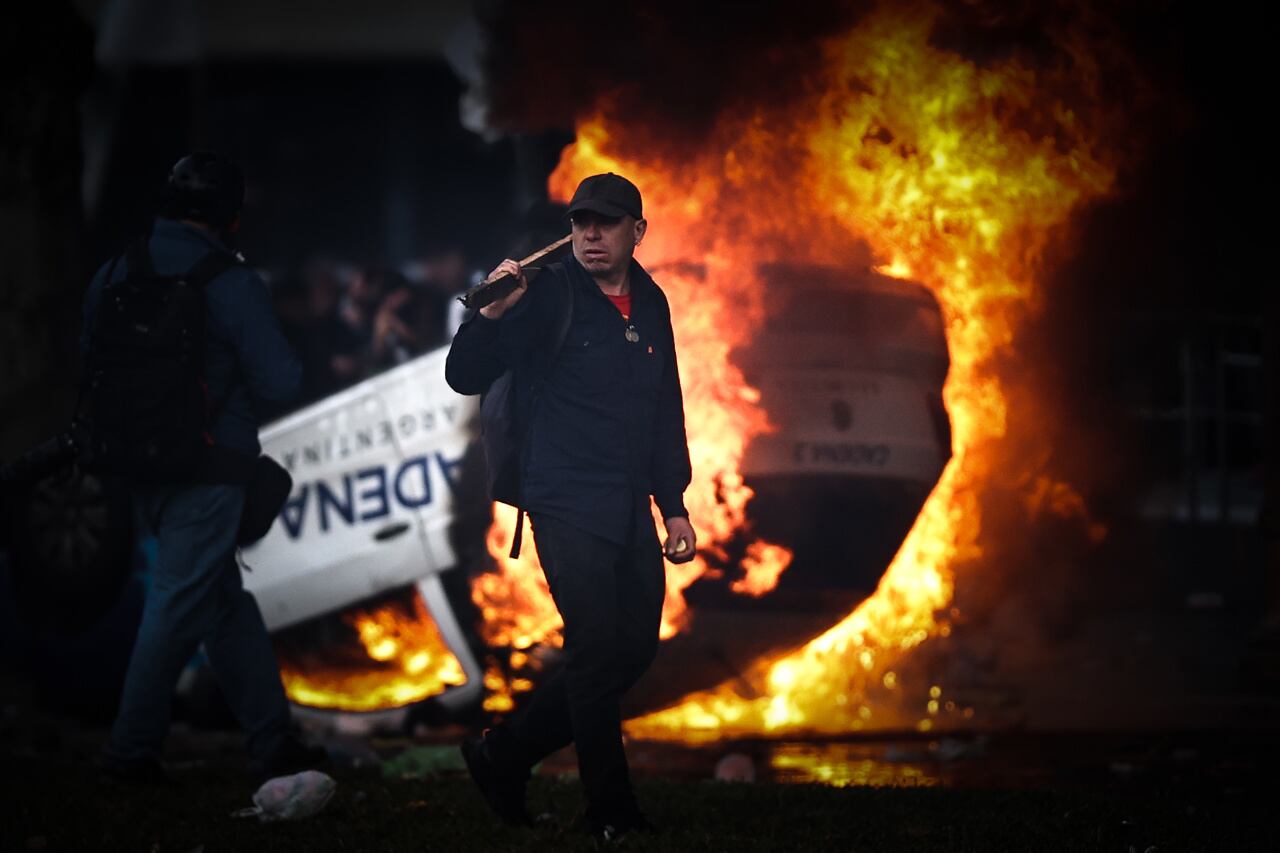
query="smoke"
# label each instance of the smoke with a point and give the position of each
(544, 65)
(547, 64)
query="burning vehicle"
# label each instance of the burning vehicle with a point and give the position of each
(850, 368)
(377, 504)
(373, 579)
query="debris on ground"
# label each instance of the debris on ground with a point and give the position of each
(295, 797)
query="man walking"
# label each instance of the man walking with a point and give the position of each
(196, 597)
(604, 432)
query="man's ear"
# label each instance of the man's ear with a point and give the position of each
(642, 225)
(234, 226)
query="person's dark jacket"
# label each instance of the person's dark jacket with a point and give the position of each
(607, 427)
(248, 363)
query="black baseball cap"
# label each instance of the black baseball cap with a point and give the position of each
(608, 195)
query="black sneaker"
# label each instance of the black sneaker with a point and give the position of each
(292, 756)
(502, 789)
(146, 771)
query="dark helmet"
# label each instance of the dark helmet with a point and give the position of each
(204, 187)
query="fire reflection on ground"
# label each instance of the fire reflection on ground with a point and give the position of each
(862, 763)
(841, 764)
(969, 760)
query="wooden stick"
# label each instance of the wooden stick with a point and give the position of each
(498, 286)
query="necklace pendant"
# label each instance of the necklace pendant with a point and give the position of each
(632, 335)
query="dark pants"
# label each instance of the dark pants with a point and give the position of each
(610, 597)
(196, 599)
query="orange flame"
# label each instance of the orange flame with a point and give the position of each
(722, 418)
(763, 565)
(900, 154)
(412, 663)
(938, 170)
(514, 601)
(918, 152)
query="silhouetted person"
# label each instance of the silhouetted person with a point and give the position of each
(193, 506)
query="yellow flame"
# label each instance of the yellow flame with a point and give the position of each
(514, 602)
(913, 150)
(762, 566)
(954, 175)
(413, 663)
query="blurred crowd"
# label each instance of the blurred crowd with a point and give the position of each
(348, 323)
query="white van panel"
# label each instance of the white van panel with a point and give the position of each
(374, 468)
(845, 423)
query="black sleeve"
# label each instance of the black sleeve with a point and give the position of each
(671, 469)
(483, 349)
(473, 362)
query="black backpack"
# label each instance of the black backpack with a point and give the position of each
(503, 425)
(144, 409)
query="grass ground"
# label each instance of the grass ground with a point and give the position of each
(64, 805)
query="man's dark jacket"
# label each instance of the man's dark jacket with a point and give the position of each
(606, 429)
(248, 363)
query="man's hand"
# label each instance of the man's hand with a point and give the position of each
(498, 307)
(681, 542)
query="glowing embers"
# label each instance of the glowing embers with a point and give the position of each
(385, 655)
